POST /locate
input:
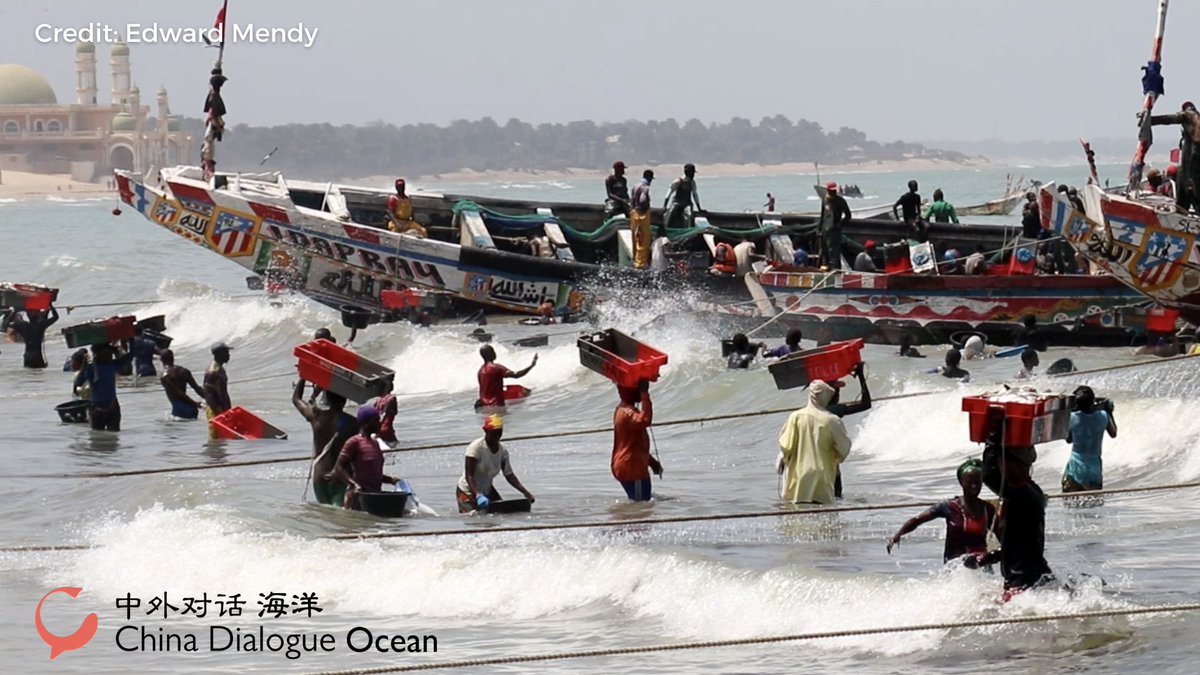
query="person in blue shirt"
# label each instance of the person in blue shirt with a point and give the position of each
(144, 350)
(104, 411)
(1089, 421)
(791, 345)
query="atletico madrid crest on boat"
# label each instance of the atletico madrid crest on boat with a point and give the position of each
(233, 235)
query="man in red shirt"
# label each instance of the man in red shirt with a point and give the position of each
(491, 378)
(631, 458)
(360, 463)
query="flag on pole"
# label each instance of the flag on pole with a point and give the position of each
(219, 24)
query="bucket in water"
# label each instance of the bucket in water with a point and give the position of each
(384, 504)
(72, 412)
(355, 317)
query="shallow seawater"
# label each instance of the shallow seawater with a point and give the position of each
(253, 530)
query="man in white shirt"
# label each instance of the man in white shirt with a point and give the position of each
(486, 458)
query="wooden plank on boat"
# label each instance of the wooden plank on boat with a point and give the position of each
(761, 299)
(562, 250)
(474, 231)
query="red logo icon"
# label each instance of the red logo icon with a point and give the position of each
(65, 643)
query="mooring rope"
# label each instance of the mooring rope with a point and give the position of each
(770, 639)
(559, 434)
(668, 520)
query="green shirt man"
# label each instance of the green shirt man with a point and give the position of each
(941, 211)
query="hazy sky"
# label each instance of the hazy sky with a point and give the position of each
(896, 69)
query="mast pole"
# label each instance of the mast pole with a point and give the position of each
(1152, 87)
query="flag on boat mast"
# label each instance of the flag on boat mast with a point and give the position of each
(1152, 87)
(214, 104)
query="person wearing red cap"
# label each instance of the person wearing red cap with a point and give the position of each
(616, 192)
(812, 445)
(1189, 162)
(485, 459)
(631, 459)
(863, 262)
(400, 210)
(835, 213)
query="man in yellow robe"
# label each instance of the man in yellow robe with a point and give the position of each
(812, 444)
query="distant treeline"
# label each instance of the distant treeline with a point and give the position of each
(326, 151)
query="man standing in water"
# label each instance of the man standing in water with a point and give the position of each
(679, 200)
(104, 411)
(616, 192)
(216, 382)
(331, 428)
(812, 445)
(1022, 517)
(360, 462)
(33, 334)
(631, 459)
(491, 378)
(175, 381)
(639, 221)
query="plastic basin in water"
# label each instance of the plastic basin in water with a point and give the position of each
(384, 504)
(72, 412)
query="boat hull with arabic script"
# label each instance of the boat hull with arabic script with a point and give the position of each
(253, 221)
(1144, 243)
(929, 309)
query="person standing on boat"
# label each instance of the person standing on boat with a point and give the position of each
(908, 207)
(360, 461)
(632, 462)
(33, 333)
(616, 192)
(1189, 162)
(175, 381)
(104, 410)
(835, 214)
(1168, 187)
(400, 210)
(485, 459)
(677, 209)
(1089, 422)
(941, 211)
(968, 518)
(216, 382)
(491, 378)
(812, 445)
(770, 205)
(639, 221)
(864, 262)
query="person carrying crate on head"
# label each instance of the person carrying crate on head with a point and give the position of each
(631, 459)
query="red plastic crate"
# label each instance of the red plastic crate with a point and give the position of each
(341, 371)
(831, 362)
(400, 299)
(620, 358)
(515, 392)
(1025, 423)
(1161, 320)
(27, 297)
(239, 424)
(103, 331)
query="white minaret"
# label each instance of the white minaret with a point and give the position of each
(120, 75)
(85, 73)
(163, 109)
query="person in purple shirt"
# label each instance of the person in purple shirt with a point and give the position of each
(360, 463)
(791, 345)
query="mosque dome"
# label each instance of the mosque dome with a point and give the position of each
(20, 85)
(173, 123)
(120, 49)
(85, 48)
(123, 121)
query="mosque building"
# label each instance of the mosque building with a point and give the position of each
(85, 139)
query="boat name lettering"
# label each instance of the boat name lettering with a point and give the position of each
(194, 222)
(358, 285)
(1108, 249)
(529, 293)
(391, 265)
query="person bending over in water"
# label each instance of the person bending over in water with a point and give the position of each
(631, 458)
(331, 428)
(1089, 421)
(361, 454)
(486, 458)
(175, 381)
(968, 518)
(950, 369)
(491, 378)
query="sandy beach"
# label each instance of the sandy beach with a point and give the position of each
(24, 185)
(716, 170)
